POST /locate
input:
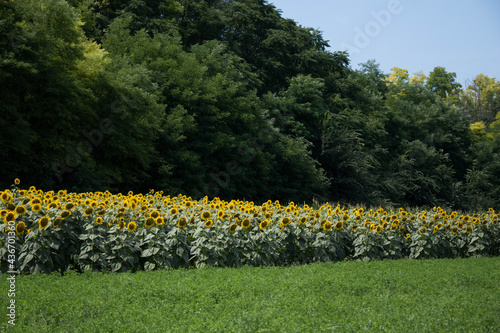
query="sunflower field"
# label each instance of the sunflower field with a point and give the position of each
(56, 231)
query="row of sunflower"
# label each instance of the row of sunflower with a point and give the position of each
(127, 232)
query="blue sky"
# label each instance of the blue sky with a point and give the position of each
(461, 35)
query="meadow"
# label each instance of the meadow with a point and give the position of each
(435, 295)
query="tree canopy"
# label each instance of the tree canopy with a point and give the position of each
(230, 99)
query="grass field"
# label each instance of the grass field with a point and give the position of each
(447, 295)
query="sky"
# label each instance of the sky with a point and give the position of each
(463, 36)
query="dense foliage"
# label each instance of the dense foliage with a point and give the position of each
(230, 99)
(59, 231)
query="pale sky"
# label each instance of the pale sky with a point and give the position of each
(461, 35)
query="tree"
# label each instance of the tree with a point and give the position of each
(482, 99)
(397, 76)
(418, 77)
(44, 106)
(443, 83)
(429, 142)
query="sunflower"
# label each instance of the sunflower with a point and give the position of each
(454, 230)
(159, 220)
(53, 205)
(88, 211)
(285, 221)
(468, 229)
(9, 217)
(327, 226)
(56, 222)
(402, 229)
(69, 206)
(264, 224)
(205, 215)
(6, 197)
(99, 220)
(339, 225)
(43, 222)
(378, 229)
(65, 213)
(20, 227)
(132, 226)
(436, 229)
(17, 181)
(245, 223)
(232, 227)
(20, 210)
(209, 223)
(149, 222)
(122, 225)
(302, 220)
(173, 211)
(182, 222)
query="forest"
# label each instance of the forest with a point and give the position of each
(227, 98)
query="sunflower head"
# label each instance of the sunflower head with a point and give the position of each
(132, 226)
(88, 211)
(159, 220)
(208, 223)
(20, 210)
(327, 226)
(245, 223)
(20, 227)
(264, 224)
(9, 217)
(339, 225)
(149, 222)
(233, 227)
(69, 206)
(17, 181)
(468, 229)
(43, 222)
(6, 197)
(99, 220)
(56, 222)
(205, 215)
(65, 213)
(182, 222)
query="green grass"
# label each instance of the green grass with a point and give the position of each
(448, 295)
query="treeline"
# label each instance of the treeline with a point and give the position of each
(229, 99)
